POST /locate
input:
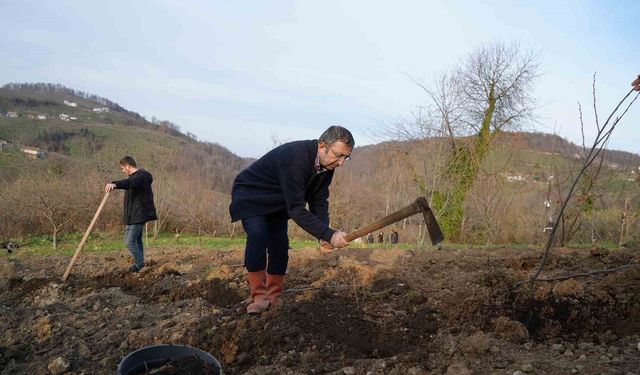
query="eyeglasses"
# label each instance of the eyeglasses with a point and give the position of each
(339, 156)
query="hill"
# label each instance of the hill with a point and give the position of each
(517, 193)
(83, 147)
(96, 130)
(193, 179)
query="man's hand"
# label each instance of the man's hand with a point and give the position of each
(636, 84)
(109, 187)
(337, 240)
(325, 247)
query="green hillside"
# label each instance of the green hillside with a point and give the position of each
(192, 179)
(101, 139)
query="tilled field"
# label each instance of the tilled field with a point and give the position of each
(356, 311)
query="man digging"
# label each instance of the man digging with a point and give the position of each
(138, 207)
(277, 188)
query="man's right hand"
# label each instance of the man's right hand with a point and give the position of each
(109, 187)
(337, 240)
(325, 247)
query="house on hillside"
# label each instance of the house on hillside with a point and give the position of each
(70, 103)
(33, 152)
(64, 117)
(101, 109)
(41, 117)
(516, 178)
(12, 114)
(4, 144)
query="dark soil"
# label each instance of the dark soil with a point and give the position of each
(356, 311)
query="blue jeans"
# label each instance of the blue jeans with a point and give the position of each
(133, 240)
(267, 236)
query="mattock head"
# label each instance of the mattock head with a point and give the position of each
(435, 233)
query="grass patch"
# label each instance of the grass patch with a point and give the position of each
(109, 242)
(100, 242)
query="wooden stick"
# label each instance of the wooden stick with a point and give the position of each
(84, 238)
(394, 217)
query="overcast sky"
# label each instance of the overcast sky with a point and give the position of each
(241, 73)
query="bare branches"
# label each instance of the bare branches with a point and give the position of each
(585, 274)
(595, 108)
(504, 73)
(600, 140)
(446, 99)
(459, 100)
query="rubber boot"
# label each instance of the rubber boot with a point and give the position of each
(258, 284)
(275, 287)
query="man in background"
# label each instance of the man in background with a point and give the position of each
(394, 236)
(138, 207)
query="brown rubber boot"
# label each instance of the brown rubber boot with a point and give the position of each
(258, 283)
(275, 287)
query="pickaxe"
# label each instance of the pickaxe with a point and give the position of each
(419, 205)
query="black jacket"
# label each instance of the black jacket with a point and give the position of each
(138, 198)
(285, 179)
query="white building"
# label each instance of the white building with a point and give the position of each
(41, 117)
(515, 178)
(64, 117)
(70, 103)
(12, 114)
(101, 109)
(4, 144)
(33, 152)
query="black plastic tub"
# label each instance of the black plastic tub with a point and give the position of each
(156, 356)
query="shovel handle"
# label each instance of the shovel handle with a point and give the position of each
(84, 238)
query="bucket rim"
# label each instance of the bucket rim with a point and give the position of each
(158, 352)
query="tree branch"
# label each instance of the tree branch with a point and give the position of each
(584, 274)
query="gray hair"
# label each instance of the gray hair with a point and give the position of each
(337, 133)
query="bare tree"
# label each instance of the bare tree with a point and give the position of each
(490, 92)
(50, 195)
(603, 133)
(496, 83)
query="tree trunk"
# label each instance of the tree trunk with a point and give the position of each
(623, 221)
(462, 172)
(55, 237)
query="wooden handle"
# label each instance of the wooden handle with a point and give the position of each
(404, 212)
(84, 238)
